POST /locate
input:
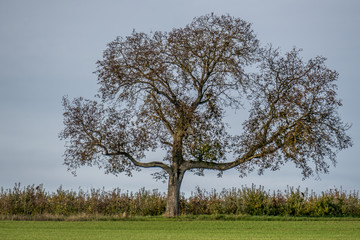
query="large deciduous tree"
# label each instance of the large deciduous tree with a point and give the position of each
(171, 91)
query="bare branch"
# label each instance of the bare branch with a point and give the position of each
(141, 164)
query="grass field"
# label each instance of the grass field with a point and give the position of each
(172, 229)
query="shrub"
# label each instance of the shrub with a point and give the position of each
(35, 201)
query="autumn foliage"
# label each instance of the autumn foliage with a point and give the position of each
(170, 92)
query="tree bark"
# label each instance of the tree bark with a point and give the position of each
(173, 198)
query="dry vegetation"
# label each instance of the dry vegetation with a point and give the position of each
(33, 202)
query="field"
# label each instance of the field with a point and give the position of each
(238, 213)
(175, 229)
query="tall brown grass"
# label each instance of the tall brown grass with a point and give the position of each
(36, 203)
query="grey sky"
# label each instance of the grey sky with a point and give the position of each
(49, 48)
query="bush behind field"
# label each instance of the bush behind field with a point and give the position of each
(35, 201)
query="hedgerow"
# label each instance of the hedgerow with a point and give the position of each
(35, 201)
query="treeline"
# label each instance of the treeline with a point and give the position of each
(35, 201)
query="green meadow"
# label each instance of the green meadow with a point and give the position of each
(181, 229)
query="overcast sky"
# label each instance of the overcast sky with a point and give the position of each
(48, 49)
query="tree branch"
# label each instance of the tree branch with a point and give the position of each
(140, 164)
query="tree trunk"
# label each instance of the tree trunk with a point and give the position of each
(173, 198)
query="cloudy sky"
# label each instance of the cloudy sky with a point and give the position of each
(48, 49)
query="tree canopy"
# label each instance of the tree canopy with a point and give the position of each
(172, 90)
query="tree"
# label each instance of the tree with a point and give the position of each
(171, 91)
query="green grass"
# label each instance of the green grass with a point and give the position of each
(180, 229)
